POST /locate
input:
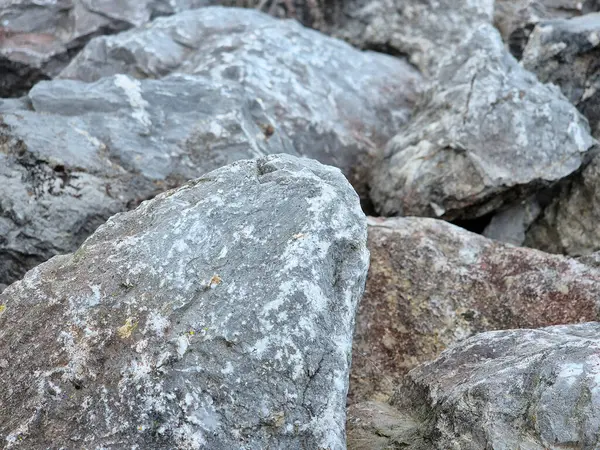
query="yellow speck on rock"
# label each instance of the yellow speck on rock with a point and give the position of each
(298, 235)
(2, 309)
(214, 281)
(126, 330)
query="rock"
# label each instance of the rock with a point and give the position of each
(432, 284)
(534, 389)
(72, 154)
(38, 39)
(218, 315)
(424, 31)
(511, 224)
(569, 224)
(516, 18)
(565, 53)
(322, 97)
(485, 134)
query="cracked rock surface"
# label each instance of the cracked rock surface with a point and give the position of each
(533, 389)
(432, 284)
(486, 133)
(74, 153)
(218, 315)
(318, 95)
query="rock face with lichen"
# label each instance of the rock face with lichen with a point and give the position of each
(318, 95)
(533, 389)
(485, 134)
(432, 284)
(218, 315)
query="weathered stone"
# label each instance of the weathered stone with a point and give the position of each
(516, 18)
(38, 39)
(218, 315)
(432, 284)
(485, 134)
(570, 223)
(567, 53)
(72, 154)
(330, 101)
(526, 389)
(510, 225)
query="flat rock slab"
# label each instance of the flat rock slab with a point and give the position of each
(319, 95)
(432, 284)
(218, 315)
(533, 389)
(38, 39)
(485, 134)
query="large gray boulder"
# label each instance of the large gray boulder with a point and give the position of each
(218, 315)
(38, 39)
(526, 389)
(72, 154)
(432, 284)
(565, 53)
(326, 99)
(486, 133)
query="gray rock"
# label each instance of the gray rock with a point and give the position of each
(38, 39)
(485, 134)
(432, 284)
(72, 154)
(332, 102)
(516, 18)
(570, 223)
(527, 389)
(565, 53)
(218, 315)
(511, 224)
(423, 30)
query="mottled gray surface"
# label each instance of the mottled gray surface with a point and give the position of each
(421, 29)
(38, 38)
(526, 389)
(218, 315)
(486, 133)
(332, 102)
(567, 53)
(72, 154)
(516, 18)
(570, 223)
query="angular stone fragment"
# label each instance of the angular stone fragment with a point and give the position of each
(319, 95)
(432, 284)
(570, 223)
(485, 134)
(527, 389)
(39, 38)
(511, 224)
(566, 53)
(218, 315)
(517, 18)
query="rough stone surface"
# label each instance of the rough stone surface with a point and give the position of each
(527, 389)
(72, 154)
(319, 95)
(39, 38)
(517, 18)
(218, 315)
(485, 134)
(569, 224)
(567, 53)
(431, 284)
